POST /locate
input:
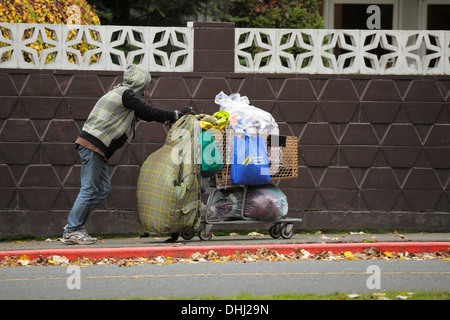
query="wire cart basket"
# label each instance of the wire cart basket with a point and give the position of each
(283, 160)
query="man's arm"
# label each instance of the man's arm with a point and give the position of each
(145, 111)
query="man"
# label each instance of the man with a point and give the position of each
(103, 133)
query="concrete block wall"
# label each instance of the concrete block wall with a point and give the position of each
(374, 151)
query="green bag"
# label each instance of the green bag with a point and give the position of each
(211, 156)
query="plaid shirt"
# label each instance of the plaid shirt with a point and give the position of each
(112, 117)
(109, 120)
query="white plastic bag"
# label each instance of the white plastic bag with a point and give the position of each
(244, 116)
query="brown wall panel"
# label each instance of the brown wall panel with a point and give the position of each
(374, 152)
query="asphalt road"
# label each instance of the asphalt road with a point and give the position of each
(222, 279)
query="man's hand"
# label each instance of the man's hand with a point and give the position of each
(185, 110)
(182, 112)
(179, 114)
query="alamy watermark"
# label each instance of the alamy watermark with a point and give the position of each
(74, 280)
(374, 20)
(374, 280)
(74, 12)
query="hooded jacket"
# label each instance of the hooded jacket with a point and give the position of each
(113, 115)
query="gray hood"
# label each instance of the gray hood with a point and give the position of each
(136, 78)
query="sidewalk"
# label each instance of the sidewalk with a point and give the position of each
(226, 245)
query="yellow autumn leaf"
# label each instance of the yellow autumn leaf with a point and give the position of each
(24, 257)
(128, 264)
(388, 254)
(24, 260)
(349, 255)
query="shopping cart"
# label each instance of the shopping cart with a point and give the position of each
(283, 158)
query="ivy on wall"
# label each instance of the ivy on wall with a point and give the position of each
(47, 12)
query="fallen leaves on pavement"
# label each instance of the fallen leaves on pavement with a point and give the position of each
(262, 254)
(405, 295)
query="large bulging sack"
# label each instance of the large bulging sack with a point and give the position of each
(168, 190)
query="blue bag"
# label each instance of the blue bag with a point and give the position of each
(250, 162)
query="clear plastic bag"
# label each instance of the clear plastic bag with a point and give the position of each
(227, 204)
(265, 202)
(244, 116)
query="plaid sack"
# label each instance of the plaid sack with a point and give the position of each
(168, 190)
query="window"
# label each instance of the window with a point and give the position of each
(352, 14)
(438, 16)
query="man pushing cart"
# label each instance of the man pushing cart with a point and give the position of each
(238, 160)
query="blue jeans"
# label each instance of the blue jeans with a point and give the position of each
(95, 186)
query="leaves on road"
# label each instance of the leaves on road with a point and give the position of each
(262, 254)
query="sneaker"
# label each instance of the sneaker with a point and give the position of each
(78, 237)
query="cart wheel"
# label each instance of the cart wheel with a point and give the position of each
(205, 236)
(275, 231)
(187, 233)
(287, 234)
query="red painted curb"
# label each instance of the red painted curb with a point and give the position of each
(186, 251)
